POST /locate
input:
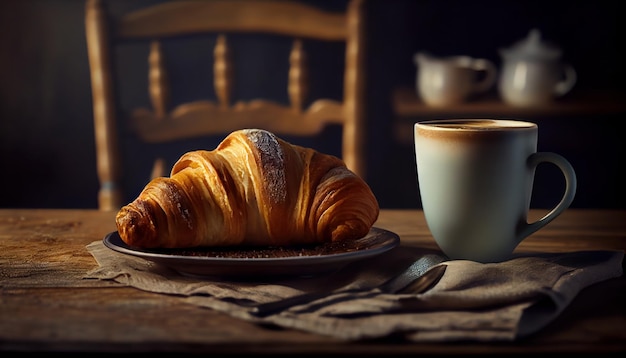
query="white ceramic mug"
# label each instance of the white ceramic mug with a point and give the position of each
(452, 80)
(475, 180)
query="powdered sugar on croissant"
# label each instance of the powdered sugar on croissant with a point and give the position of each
(253, 189)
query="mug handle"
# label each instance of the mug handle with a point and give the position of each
(567, 83)
(568, 196)
(489, 78)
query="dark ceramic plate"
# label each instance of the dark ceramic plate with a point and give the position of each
(263, 261)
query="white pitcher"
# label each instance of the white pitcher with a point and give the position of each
(443, 81)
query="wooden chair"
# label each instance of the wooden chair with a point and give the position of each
(162, 123)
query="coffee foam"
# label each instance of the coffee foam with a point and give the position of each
(478, 124)
(473, 128)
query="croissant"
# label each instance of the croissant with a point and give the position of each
(254, 189)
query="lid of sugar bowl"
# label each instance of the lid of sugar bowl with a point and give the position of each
(531, 48)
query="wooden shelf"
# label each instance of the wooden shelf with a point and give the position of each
(408, 108)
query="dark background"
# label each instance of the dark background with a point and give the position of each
(47, 154)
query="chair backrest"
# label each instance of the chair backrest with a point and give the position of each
(162, 123)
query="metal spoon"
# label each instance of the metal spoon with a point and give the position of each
(418, 276)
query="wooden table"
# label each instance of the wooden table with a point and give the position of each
(57, 311)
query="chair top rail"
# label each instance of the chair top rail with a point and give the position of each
(181, 18)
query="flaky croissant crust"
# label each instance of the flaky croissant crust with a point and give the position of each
(253, 189)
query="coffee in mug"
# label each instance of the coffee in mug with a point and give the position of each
(475, 180)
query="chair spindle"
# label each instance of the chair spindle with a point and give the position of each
(159, 88)
(222, 71)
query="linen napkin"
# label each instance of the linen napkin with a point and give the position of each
(471, 302)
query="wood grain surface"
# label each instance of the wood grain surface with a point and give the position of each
(45, 305)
